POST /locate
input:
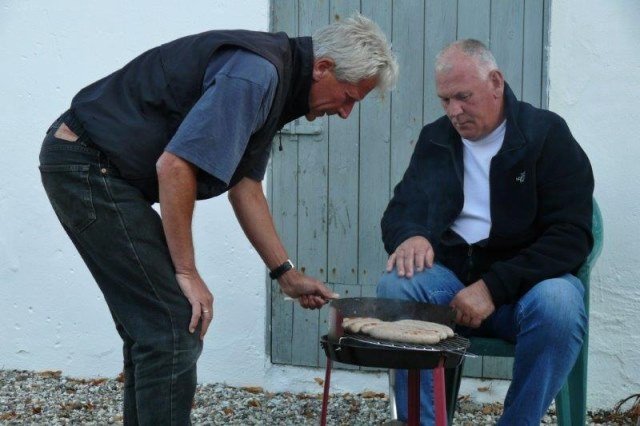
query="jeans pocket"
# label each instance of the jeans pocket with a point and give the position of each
(69, 191)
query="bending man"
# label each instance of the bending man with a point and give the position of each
(188, 120)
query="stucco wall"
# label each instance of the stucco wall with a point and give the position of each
(594, 74)
(53, 316)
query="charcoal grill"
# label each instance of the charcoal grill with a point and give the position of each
(365, 351)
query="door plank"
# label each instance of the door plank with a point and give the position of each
(407, 98)
(282, 182)
(474, 19)
(440, 26)
(533, 51)
(342, 220)
(312, 208)
(373, 185)
(507, 23)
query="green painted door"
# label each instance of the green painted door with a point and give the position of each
(329, 185)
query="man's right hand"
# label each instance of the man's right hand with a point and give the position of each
(414, 253)
(200, 298)
(311, 293)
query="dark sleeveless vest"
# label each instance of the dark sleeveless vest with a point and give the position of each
(132, 114)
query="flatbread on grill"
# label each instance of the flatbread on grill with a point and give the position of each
(403, 333)
(348, 320)
(355, 325)
(368, 326)
(444, 331)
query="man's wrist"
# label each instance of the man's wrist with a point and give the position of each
(280, 270)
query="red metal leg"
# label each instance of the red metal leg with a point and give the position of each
(325, 394)
(439, 395)
(413, 418)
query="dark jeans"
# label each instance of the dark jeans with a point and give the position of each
(120, 238)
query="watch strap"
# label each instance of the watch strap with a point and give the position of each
(280, 270)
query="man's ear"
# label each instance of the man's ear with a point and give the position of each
(321, 67)
(497, 81)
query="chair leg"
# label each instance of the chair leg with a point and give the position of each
(571, 402)
(563, 406)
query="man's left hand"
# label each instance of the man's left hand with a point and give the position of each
(473, 304)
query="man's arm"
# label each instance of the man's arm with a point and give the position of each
(177, 186)
(252, 211)
(405, 238)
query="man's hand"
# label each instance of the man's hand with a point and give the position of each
(311, 293)
(473, 304)
(415, 252)
(201, 299)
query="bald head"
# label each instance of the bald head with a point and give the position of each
(470, 87)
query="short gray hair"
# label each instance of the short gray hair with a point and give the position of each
(472, 48)
(359, 49)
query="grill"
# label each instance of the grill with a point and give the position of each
(456, 345)
(366, 351)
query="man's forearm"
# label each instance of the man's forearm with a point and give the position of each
(177, 187)
(252, 211)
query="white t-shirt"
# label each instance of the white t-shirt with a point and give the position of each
(474, 222)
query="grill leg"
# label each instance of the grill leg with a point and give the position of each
(325, 394)
(413, 418)
(439, 395)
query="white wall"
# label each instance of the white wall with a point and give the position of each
(53, 316)
(594, 75)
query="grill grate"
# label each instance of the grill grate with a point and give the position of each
(456, 344)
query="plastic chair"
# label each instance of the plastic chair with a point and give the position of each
(571, 401)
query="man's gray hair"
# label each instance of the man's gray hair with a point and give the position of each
(359, 49)
(472, 48)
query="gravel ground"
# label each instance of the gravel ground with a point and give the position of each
(49, 398)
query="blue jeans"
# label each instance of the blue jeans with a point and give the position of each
(547, 325)
(121, 240)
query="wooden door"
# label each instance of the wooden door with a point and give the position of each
(330, 184)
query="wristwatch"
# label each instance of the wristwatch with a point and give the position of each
(280, 270)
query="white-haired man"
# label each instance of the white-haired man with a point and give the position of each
(188, 120)
(493, 217)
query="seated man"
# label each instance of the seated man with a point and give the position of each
(493, 217)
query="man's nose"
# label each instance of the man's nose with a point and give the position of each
(345, 110)
(454, 108)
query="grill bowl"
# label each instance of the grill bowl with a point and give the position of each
(365, 351)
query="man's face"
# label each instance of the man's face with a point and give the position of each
(330, 96)
(473, 104)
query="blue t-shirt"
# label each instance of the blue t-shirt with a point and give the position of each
(238, 91)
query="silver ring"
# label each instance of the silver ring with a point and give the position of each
(206, 312)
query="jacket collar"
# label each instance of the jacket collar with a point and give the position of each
(513, 138)
(297, 100)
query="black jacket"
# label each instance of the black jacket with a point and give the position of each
(541, 187)
(132, 114)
